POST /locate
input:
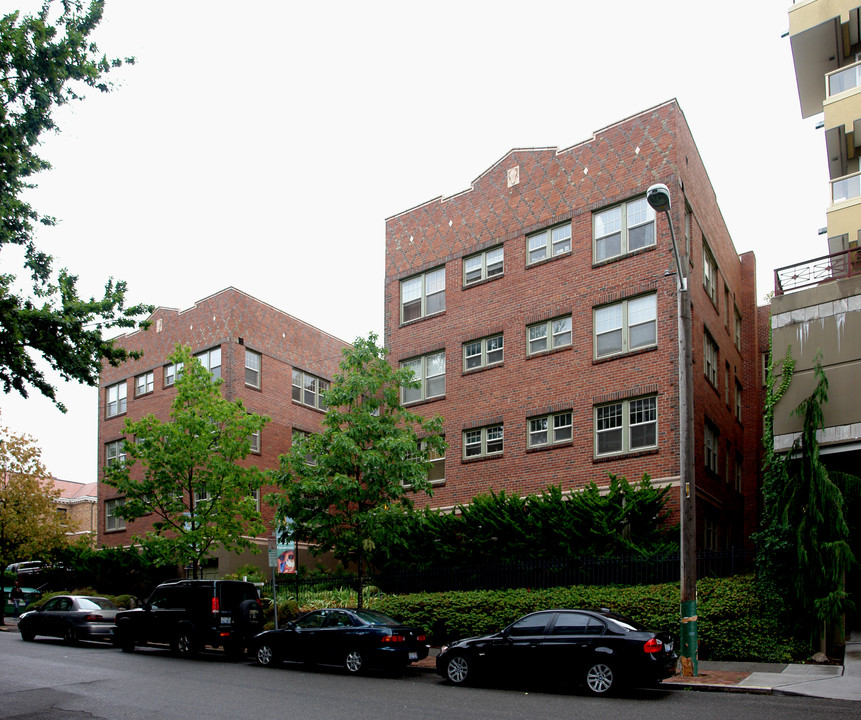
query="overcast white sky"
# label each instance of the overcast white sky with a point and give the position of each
(262, 144)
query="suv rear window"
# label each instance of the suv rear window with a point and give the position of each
(234, 594)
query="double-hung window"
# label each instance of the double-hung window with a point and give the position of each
(436, 461)
(483, 266)
(144, 383)
(738, 329)
(483, 442)
(483, 353)
(172, 373)
(710, 445)
(710, 274)
(548, 243)
(626, 426)
(308, 389)
(254, 442)
(622, 229)
(115, 452)
(116, 399)
(297, 436)
(710, 359)
(112, 520)
(253, 362)
(626, 326)
(550, 429)
(423, 295)
(548, 335)
(738, 405)
(429, 370)
(211, 360)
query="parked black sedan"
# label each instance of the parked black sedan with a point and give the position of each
(71, 617)
(353, 639)
(597, 648)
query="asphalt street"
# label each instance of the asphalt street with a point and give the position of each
(47, 680)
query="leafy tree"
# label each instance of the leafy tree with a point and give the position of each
(30, 526)
(46, 61)
(192, 479)
(342, 485)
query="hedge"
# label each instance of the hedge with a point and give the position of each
(735, 622)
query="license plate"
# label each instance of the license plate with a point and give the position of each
(669, 646)
(226, 620)
(414, 656)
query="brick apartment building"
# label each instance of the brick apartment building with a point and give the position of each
(276, 364)
(538, 309)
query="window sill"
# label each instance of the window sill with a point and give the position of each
(478, 283)
(544, 353)
(473, 371)
(111, 417)
(422, 319)
(544, 261)
(113, 532)
(630, 353)
(255, 388)
(616, 258)
(625, 456)
(416, 403)
(308, 407)
(495, 456)
(549, 446)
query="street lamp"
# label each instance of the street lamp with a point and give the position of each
(658, 196)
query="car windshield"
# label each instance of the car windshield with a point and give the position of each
(370, 617)
(96, 603)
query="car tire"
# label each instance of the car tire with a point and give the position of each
(600, 678)
(184, 643)
(458, 669)
(28, 635)
(354, 661)
(127, 645)
(265, 655)
(70, 635)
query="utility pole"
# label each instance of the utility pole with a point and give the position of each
(658, 196)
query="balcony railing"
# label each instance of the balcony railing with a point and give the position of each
(843, 79)
(846, 188)
(817, 271)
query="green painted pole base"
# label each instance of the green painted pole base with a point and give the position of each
(688, 650)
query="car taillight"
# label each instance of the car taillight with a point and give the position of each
(421, 638)
(654, 645)
(93, 618)
(394, 639)
(215, 606)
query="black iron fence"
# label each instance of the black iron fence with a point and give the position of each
(631, 570)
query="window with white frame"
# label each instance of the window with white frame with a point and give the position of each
(115, 452)
(710, 446)
(436, 460)
(548, 335)
(308, 389)
(710, 359)
(550, 429)
(483, 266)
(626, 426)
(211, 360)
(253, 363)
(201, 495)
(429, 370)
(423, 295)
(172, 373)
(483, 353)
(738, 329)
(297, 435)
(710, 274)
(483, 442)
(255, 442)
(626, 326)
(116, 399)
(112, 520)
(623, 229)
(548, 243)
(144, 383)
(738, 399)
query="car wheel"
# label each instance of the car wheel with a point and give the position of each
(265, 655)
(600, 678)
(184, 644)
(354, 661)
(70, 635)
(27, 635)
(458, 669)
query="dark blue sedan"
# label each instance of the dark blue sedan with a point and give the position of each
(353, 639)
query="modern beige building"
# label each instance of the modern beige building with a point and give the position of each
(816, 309)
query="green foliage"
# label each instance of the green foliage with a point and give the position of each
(192, 480)
(368, 461)
(46, 61)
(253, 574)
(622, 519)
(736, 621)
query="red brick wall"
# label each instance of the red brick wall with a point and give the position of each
(619, 163)
(234, 321)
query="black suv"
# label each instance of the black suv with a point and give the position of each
(190, 614)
